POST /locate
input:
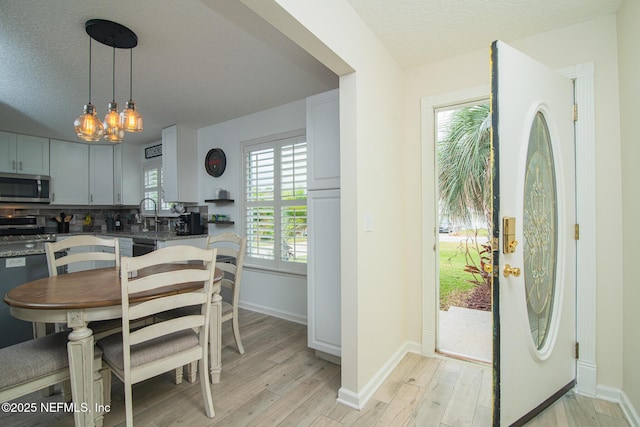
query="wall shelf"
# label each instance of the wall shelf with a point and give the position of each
(222, 222)
(219, 201)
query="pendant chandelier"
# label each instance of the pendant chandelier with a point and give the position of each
(88, 127)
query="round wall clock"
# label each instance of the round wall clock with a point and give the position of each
(215, 162)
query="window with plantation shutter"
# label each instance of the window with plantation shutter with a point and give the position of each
(275, 203)
(152, 181)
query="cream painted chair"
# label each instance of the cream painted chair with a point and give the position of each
(97, 249)
(230, 245)
(231, 249)
(43, 362)
(92, 249)
(139, 354)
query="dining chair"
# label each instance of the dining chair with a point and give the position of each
(84, 249)
(142, 353)
(87, 249)
(93, 249)
(231, 249)
(43, 362)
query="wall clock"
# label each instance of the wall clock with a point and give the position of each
(215, 162)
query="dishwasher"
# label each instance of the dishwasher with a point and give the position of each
(143, 246)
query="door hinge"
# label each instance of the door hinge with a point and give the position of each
(575, 112)
(576, 232)
(577, 352)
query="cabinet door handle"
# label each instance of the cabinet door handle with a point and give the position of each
(53, 197)
(13, 164)
(20, 164)
(92, 198)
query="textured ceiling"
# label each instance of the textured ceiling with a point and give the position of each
(421, 31)
(196, 63)
(200, 62)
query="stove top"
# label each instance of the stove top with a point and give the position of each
(23, 228)
(27, 238)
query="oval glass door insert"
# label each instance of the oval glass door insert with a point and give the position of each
(540, 226)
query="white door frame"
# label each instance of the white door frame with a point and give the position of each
(583, 75)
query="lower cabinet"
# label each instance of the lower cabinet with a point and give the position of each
(126, 246)
(323, 271)
(198, 242)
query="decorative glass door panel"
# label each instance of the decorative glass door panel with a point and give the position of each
(540, 231)
(534, 200)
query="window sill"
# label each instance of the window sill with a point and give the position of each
(273, 270)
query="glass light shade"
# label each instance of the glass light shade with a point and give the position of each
(88, 127)
(113, 131)
(130, 119)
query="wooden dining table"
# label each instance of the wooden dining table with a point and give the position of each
(86, 296)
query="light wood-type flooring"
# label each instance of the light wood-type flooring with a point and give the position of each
(279, 382)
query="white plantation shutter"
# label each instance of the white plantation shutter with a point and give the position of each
(152, 181)
(275, 203)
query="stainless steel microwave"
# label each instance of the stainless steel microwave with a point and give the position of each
(25, 188)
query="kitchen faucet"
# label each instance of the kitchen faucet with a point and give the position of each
(155, 214)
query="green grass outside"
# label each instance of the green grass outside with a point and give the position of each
(454, 281)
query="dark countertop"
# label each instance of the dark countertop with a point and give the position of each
(16, 249)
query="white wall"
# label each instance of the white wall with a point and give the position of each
(592, 41)
(371, 180)
(268, 292)
(628, 36)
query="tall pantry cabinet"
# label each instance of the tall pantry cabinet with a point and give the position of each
(323, 223)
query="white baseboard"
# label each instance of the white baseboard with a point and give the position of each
(358, 400)
(586, 379)
(296, 318)
(618, 396)
(629, 410)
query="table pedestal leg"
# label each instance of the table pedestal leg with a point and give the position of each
(80, 350)
(215, 338)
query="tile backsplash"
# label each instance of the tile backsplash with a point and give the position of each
(98, 215)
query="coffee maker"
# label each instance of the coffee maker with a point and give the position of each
(181, 225)
(189, 224)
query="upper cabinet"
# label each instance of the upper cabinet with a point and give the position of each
(24, 154)
(69, 173)
(127, 174)
(323, 141)
(101, 175)
(179, 164)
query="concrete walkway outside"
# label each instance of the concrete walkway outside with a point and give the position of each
(466, 333)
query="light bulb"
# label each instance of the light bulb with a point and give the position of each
(88, 127)
(130, 119)
(113, 131)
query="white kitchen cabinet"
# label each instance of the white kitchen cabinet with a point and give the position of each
(323, 141)
(198, 242)
(323, 271)
(100, 175)
(127, 174)
(24, 154)
(69, 173)
(126, 246)
(179, 164)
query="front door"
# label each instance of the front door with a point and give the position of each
(534, 220)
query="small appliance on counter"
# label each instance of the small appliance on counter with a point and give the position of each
(189, 224)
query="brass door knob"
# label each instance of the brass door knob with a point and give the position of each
(510, 271)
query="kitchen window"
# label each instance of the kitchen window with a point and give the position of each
(152, 182)
(275, 202)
